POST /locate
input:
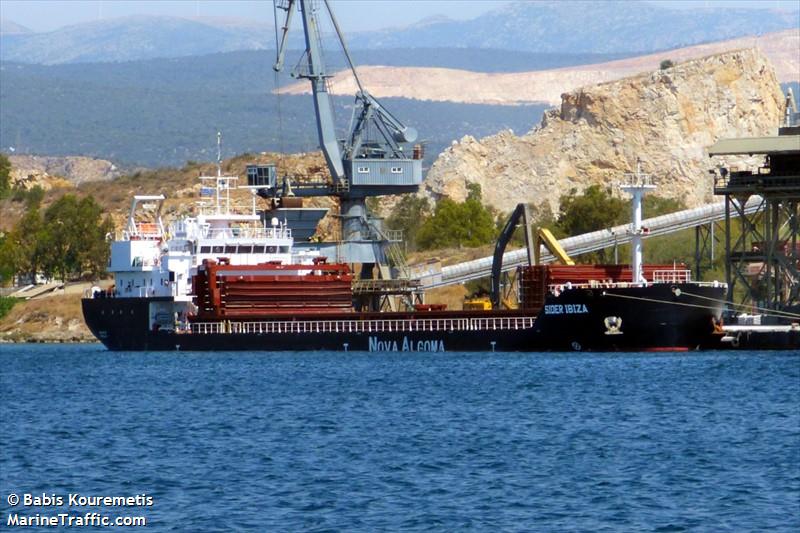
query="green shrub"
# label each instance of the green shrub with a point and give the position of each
(408, 216)
(5, 176)
(6, 303)
(466, 224)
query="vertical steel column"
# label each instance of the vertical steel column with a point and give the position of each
(728, 277)
(697, 270)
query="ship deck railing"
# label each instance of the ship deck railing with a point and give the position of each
(762, 180)
(258, 233)
(228, 208)
(366, 326)
(557, 288)
(672, 276)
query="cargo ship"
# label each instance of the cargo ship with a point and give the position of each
(229, 279)
(235, 279)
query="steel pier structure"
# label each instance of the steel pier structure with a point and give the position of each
(762, 250)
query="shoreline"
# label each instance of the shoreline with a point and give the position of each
(34, 340)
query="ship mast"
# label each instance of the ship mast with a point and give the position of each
(219, 170)
(219, 154)
(638, 184)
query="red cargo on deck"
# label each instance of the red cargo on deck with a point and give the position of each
(227, 291)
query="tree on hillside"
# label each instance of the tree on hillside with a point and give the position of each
(5, 176)
(593, 210)
(23, 249)
(597, 209)
(466, 224)
(6, 260)
(74, 237)
(408, 216)
(654, 206)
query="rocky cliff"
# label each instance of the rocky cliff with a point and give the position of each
(28, 171)
(666, 118)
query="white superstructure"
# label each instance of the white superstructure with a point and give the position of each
(151, 260)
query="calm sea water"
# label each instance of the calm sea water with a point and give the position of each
(443, 442)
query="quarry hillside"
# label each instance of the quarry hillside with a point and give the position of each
(666, 118)
(514, 88)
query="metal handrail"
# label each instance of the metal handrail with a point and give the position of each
(366, 326)
(672, 276)
(558, 288)
(247, 233)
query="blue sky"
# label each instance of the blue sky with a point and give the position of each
(354, 15)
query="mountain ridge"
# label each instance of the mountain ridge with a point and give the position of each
(129, 38)
(582, 25)
(611, 26)
(9, 27)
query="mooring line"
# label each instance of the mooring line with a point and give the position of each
(653, 300)
(775, 312)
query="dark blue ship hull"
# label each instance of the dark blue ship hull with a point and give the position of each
(659, 317)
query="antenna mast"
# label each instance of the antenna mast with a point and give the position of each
(637, 186)
(219, 154)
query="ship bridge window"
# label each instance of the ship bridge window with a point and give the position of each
(218, 249)
(271, 249)
(230, 249)
(258, 249)
(245, 249)
(205, 249)
(397, 170)
(284, 249)
(363, 170)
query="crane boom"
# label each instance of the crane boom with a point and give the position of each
(532, 245)
(520, 212)
(369, 161)
(381, 154)
(323, 106)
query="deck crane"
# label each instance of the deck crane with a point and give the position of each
(533, 245)
(371, 160)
